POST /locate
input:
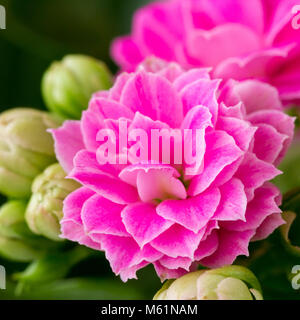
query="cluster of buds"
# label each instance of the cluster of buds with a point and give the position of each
(28, 168)
(26, 149)
(227, 283)
(17, 243)
(45, 208)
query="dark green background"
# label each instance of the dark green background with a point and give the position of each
(40, 31)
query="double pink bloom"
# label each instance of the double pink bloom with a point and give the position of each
(241, 39)
(142, 213)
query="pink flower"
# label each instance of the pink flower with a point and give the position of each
(157, 212)
(254, 39)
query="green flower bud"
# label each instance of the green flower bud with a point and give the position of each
(26, 149)
(227, 283)
(16, 241)
(44, 210)
(67, 86)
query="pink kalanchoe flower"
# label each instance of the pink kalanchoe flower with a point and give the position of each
(241, 39)
(157, 211)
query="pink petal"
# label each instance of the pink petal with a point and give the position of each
(283, 123)
(141, 122)
(249, 13)
(221, 152)
(233, 201)
(166, 186)
(202, 92)
(116, 90)
(177, 242)
(207, 247)
(67, 142)
(165, 273)
(130, 173)
(191, 76)
(175, 263)
(242, 131)
(101, 216)
(263, 204)
(153, 96)
(71, 224)
(126, 52)
(112, 109)
(125, 256)
(91, 122)
(287, 80)
(279, 15)
(121, 252)
(257, 65)
(192, 213)
(197, 119)
(254, 172)
(153, 36)
(143, 223)
(169, 70)
(211, 46)
(270, 224)
(88, 173)
(231, 245)
(257, 95)
(75, 232)
(268, 143)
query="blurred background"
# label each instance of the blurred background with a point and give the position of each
(40, 31)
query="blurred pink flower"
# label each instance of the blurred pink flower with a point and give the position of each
(240, 39)
(142, 213)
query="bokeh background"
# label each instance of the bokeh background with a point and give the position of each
(41, 31)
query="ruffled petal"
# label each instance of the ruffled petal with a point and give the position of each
(204, 93)
(143, 223)
(263, 205)
(101, 216)
(67, 142)
(87, 172)
(211, 46)
(231, 245)
(177, 241)
(153, 96)
(71, 225)
(192, 213)
(126, 52)
(254, 173)
(233, 202)
(221, 151)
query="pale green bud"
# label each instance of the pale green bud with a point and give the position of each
(227, 283)
(26, 148)
(16, 241)
(68, 85)
(45, 208)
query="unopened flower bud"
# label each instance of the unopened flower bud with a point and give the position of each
(67, 85)
(45, 208)
(16, 241)
(227, 283)
(26, 148)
